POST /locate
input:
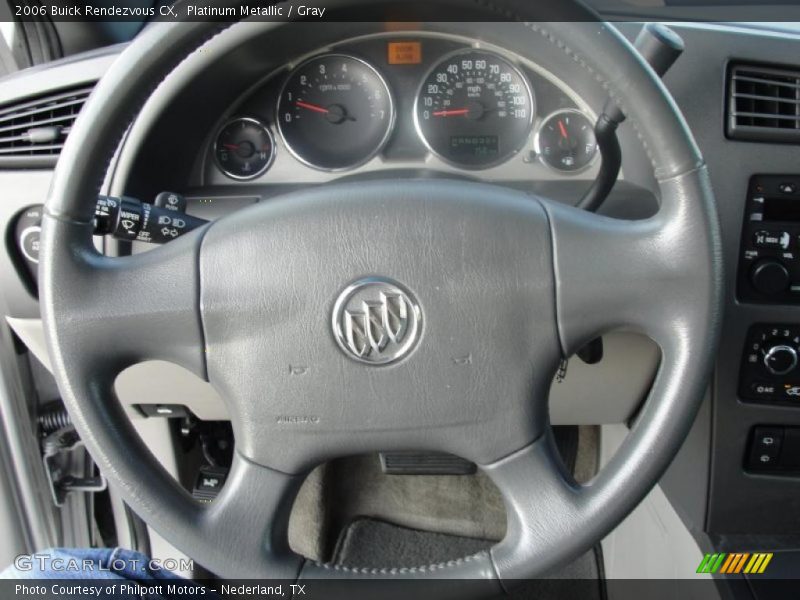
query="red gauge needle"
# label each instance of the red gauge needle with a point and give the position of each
(563, 130)
(231, 146)
(451, 113)
(314, 107)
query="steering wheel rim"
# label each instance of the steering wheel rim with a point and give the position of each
(100, 316)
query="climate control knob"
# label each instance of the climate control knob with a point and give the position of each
(770, 277)
(780, 359)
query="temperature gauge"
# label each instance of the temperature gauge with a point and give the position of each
(244, 148)
(565, 141)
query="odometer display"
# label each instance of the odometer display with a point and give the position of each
(474, 109)
(470, 146)
(335, 112)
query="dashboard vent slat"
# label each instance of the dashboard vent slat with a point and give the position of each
(38, 128)
(765, 81)
(63, 120)
(764, 104)
(757, 97)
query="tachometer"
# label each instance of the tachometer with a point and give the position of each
(474, 109)
(335, 112)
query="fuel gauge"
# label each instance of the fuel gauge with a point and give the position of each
(565, 141)
(244, 148)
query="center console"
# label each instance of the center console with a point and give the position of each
(769, 273)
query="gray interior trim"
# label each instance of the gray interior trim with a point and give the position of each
(23, 464)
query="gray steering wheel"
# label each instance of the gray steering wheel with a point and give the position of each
(511, 281)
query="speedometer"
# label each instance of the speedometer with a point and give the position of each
(474, 109)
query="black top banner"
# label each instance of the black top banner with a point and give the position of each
(272, 10)
(139, 11)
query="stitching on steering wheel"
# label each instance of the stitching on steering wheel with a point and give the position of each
(577, 58)
(404, 570)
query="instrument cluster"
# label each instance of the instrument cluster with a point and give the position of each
(406, 102)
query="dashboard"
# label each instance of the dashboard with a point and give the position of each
(406, 100)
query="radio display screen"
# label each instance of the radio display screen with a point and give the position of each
(781, 209)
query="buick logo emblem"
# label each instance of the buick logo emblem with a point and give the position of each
(376, 321)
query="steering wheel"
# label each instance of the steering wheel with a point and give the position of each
(383, 315)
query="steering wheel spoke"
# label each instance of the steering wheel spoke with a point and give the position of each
(613, 273)
(541, 500)
(122, 310)
(250, 520)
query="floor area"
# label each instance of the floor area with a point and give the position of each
(351, 513)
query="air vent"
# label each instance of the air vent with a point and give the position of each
(764, 104)
(34, 131)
